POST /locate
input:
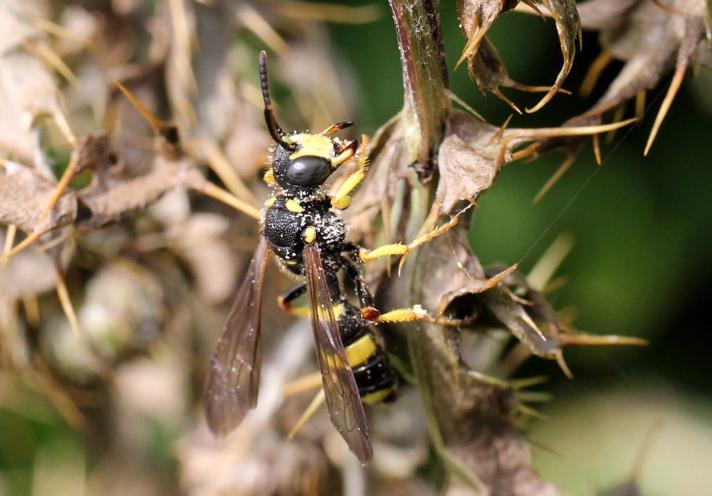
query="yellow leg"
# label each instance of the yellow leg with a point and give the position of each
(416, 313)
(403, 249)
(341, 199)
(296, 311)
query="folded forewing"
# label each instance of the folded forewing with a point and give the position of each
(234, 373)
(342, 398)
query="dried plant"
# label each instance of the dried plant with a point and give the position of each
(140, 265)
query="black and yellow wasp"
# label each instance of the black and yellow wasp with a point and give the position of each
(301, 226)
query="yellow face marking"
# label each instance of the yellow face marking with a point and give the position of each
(309, 235)
(269, 177)
(360, 350)
(270, 201)
(376, 396)
(294, 206)
(312, 144)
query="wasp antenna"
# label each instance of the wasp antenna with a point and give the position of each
(272, 126)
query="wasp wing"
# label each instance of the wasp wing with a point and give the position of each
(342, 398)
(234, 374)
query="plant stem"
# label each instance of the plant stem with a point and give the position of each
(425, 78)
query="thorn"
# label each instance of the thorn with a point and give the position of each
(559, 357)
(595, 340)
(549, 262)
(32, 310)
(618, 114)
(313, 407)
(529, 381)
(464, 104)
(594, 72)
(496, 136)
(45, 52)
(473, 43)
(527, 410)
(506, 100)
(597, 148)
(152, 120)
(10, 234)
(66, 302)
(306, 383)
(324, 12)
(526, 152)
(667, 102)
(31, 238)
(640, 103)
(219, 163)
(209, 189)
(61, 187)
(565, 166)
(61, 120)
(254, 22)
(558, 132)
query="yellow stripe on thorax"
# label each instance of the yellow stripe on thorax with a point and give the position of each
(309, 234)
(294, 206)
(360, 350)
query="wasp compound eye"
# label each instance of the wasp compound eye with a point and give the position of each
(308, 170)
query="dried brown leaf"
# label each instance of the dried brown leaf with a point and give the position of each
(471, 416)
(23, 195)
(109, 199)
(651, 40)
(484, 63)
(466, 161)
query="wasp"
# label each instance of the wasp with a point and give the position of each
(302, 227)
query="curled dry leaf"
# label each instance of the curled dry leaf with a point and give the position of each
(485, 66)
(470, 416)
(107, 201)
(650, 37)
(466, 160)
(473, 151)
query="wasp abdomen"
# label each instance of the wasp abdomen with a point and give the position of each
(375, 378)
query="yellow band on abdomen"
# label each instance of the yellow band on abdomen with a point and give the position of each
(376, 396)
(360, 350)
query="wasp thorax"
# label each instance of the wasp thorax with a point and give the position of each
(308, 170)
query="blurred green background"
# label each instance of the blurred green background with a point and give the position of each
(640, 266)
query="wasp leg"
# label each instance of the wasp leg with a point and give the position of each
(417, 313)
(405, 249)
(285, 301)
(341, 199)
(345, 153)
(368, 310)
